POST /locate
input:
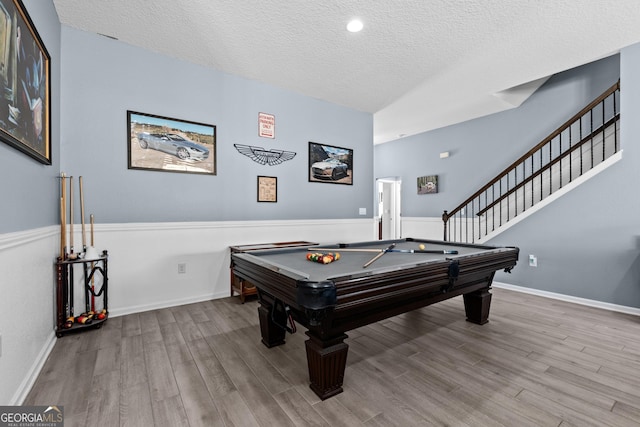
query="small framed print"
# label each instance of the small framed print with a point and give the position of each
(428, 184)
(267, 189)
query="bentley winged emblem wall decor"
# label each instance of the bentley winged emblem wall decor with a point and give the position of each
(263, 156)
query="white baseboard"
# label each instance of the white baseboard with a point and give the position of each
(567, 298)
(166, 304)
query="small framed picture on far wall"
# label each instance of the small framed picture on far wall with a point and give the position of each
(428, 184)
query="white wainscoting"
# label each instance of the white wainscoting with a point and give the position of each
(27, 308)
(423, 228)
(143, 258)
(142, 272)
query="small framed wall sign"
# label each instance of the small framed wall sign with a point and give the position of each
(266, 125)
(267, 189)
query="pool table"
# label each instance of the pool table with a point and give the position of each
(331, 299)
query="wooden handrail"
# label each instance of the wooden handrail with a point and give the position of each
(558, 131)
(549, 165)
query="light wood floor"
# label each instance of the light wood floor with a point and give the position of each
(538, 362)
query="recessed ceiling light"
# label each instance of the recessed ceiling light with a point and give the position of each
(354, 25)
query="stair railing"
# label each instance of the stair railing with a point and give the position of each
(582, 142)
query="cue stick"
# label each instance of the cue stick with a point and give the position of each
(84, 237)
(375, 258)
(408, 251)
(93, 301)
(62, 244)
(63, 220)
(71, 252)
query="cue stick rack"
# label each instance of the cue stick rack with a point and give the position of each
(91, 269)
(92, 280)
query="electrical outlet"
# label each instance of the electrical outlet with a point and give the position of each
(182, 268)
(533, 261)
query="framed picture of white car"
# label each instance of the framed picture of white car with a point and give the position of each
(330, 164)
(170, 145)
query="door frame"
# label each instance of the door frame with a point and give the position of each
(388, 192)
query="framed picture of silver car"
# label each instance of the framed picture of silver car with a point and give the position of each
(330, 164)
(164, 144)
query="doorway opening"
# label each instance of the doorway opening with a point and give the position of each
(389, 213)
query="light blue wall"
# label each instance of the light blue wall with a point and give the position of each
(103, 78)
(588, 241)
(29, 191)
(481, 148)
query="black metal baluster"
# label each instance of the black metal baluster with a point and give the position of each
(532, 189)
(560, 157)
(513, 185)
(591, 133)
(493, 210)
(581, 147)
(570, 154)
(604, 120)
(615, 123)
(473, 220)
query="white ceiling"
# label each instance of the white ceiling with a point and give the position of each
(417, 64)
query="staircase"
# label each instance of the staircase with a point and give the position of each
(569, 154)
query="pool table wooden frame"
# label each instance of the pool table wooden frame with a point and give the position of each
(344, 297)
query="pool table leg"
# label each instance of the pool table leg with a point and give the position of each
(327, 359)
(476, 306)
(272, 333)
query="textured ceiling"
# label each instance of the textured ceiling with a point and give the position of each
(417, 64)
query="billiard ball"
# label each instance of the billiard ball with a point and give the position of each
(421, 247)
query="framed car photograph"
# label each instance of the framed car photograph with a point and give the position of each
(330, 164)
(170, 145)
(25, 108)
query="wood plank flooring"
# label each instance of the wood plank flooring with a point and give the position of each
(538, 362)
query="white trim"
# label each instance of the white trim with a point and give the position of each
(19, 238)
(159, 226)
(29, 380)
(568, 298)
